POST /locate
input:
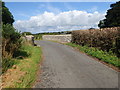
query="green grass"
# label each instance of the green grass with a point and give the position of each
(101, 55)
(29, 65)
(32, 62)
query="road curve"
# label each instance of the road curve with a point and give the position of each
(64, 67)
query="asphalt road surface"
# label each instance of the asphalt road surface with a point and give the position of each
(64, 67)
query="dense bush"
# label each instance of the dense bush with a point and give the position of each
(11, 41)
(107, 39)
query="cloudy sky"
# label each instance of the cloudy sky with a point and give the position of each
(37, 17)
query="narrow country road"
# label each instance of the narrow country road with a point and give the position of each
(64, 67)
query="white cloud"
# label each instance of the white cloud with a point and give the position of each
(50, 22)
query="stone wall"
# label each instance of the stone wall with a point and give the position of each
(59, 38)
(29, 38)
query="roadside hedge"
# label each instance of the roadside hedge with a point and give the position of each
(11, 42)
(107, 39)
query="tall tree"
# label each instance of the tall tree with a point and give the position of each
(7, 17)
(112, 17)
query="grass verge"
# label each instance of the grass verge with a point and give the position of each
(101, 55)
(23, 73)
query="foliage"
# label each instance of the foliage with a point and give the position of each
(105, 39)
(11, 41)
(26, 33)
(38, 37)
(7, 63)
(11, 38)
(112, 17)
(7, 17)
(27, 65)
(10, 45)
(107, 57)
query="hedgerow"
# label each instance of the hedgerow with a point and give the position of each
(107, 39)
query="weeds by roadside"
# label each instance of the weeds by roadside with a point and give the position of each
(107, 57)
(23, 73)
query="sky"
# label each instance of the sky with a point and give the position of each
(38, 17)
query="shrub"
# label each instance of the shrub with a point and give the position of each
(107, 39)
(11, 40)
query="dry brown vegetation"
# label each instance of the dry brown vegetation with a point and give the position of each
(107, 39)
(11, 76)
